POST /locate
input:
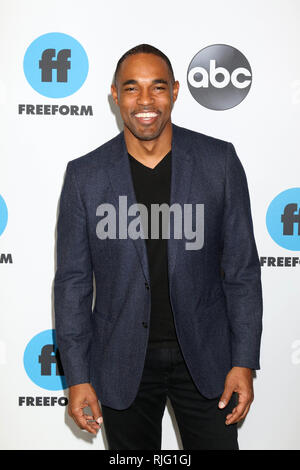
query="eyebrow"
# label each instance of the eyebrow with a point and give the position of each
(134, 82)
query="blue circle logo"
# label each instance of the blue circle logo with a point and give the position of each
(283, 219)
(42, 362)
(3, 215)
(55, 65)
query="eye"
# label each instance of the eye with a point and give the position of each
(159, 87)
(131, 88)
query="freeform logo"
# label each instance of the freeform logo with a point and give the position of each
(138, 226)
(56, 65)
(42, 361)
(290, 217)
(280, 261)
(219, 77)
(62, 64)
(283, 219)
(53, 109)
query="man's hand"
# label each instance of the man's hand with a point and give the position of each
(81, 396)
(240, 380)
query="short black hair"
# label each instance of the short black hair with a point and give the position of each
(144, 49)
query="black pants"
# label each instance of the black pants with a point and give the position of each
(201, 423)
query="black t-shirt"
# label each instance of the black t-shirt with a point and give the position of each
(152, 186)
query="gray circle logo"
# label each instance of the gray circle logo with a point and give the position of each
(219, 77)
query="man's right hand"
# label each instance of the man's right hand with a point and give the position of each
(81, 396)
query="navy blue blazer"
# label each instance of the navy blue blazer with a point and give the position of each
(215, 292)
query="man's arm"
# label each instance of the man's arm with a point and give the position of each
(73, 291)
(242, 286)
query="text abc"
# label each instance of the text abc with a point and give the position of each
(209, 77)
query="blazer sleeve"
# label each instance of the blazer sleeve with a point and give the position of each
(73, 284)
(241, 267)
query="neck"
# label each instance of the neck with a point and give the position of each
(149, 151)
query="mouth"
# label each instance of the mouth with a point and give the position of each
(146, 118)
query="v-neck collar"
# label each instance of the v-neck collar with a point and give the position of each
(161, 163)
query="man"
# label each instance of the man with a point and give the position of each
(170, 319)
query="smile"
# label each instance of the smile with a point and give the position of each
(146, 117)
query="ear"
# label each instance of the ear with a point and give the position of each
(114, 93)
(175, 90)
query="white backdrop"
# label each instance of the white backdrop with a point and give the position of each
(36, 148)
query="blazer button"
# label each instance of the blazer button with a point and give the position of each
(147, 285)
(145, 324)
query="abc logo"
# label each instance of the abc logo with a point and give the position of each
(3, 215)
(42, 362)
(219, 77)
(55, 65)
(283, 219)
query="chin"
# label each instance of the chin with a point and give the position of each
(147, 135)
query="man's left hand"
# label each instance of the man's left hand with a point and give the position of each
(240, 380)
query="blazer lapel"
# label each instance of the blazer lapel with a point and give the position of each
(121, 181)
(181, 173)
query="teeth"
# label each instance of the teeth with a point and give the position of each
(146, 115)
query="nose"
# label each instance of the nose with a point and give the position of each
(145, 98)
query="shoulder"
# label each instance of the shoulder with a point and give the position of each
(99, 156)
(208, 151)
(197, 140)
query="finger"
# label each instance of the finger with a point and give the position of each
(232, 412)
(225, 398)
(244, 399)
(236, 419)
(245, 412)
(95, 425)
(94, 422)
(237, 414)
(91, 417)
(95, 409)
(83, 424)
(81, 419)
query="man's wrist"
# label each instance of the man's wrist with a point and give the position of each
(79, 384)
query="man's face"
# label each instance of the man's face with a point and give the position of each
(145, 95)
